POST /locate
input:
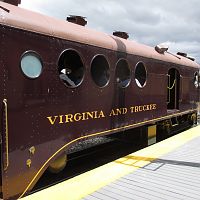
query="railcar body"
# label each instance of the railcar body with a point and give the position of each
(61, 83)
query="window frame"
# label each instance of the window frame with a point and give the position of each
(129, 82)
(39, 58)
(141, 87)
(82, 61)
(108, 81)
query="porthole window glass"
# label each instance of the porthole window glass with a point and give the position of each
(140, 75)
(123, 76)
(100, 71)
(31, 64)
(196, 80)
(71, 68)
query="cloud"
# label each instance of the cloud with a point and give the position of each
(149, 22)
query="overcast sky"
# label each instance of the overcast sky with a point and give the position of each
(151, 22)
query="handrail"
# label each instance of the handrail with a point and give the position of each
(170, 88)
(6, 162)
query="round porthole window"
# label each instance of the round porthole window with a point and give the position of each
(31, 64)
(100, 71)
(71, 68)
(123, 73)
(140, 75)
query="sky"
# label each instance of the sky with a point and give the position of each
(151, 22)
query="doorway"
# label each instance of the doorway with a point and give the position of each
(173, 89)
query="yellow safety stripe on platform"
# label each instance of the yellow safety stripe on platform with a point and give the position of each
(85, 184)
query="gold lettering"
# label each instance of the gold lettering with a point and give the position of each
(68, 118)
(124, 111)
(52, 121)
(61, 119)
(119, 112)
(140, 108)
(89, 114)
(77, 117)
(151, 106)
(132, 109)
(95, 114)
(83, 116)
(101, 114)
(136, 108)
(112, 113)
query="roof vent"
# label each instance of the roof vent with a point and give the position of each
(121, 34)
(182, 54)
(191, 58)
(161, 48)
(77, 20)
(185, 55)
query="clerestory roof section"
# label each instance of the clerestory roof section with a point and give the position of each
(20, 18)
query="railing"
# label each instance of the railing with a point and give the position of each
(6, 159)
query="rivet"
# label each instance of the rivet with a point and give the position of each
(32, 150)
(28, 163)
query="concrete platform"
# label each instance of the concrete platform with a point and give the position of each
(166, 170)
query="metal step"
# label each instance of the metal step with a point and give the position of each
(174, 121)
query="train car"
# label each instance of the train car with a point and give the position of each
(62, 83)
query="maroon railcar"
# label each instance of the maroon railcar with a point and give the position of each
(61, 83)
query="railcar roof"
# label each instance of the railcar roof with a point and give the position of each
(27, 20)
